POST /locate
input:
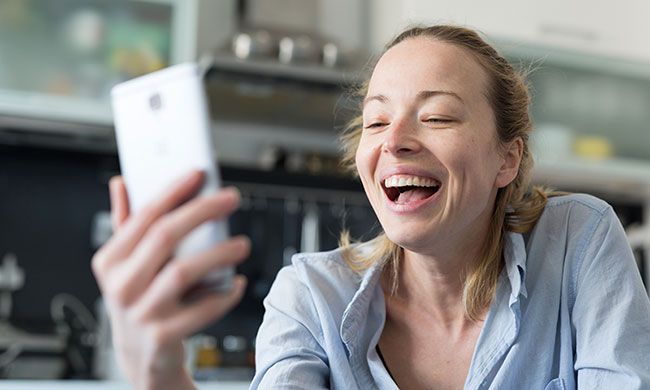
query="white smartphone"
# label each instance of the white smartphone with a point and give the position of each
(163, 131)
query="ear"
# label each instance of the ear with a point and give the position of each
(511, 160)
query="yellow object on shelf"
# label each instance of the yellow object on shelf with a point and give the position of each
(593, 147)
(207, 353)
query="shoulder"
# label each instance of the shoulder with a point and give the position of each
(577, 203)
(322, 271)
(575, 214)
(324, 268)
(571, 227)
(576, 234)
(574, 221)
(321, 281)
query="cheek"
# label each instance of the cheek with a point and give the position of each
(459, 154)
(478, 150)
(472, 161)
(483, 162)
(365, 157)
(359, 160)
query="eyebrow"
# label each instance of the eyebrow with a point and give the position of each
(422, 95)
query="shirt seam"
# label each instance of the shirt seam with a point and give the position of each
(581, 255)
(561, 201)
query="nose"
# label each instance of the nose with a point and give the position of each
(401, 138)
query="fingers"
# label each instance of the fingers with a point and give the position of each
(134, 228)
(197, 315)
(178, 276)
(160, 241)
(119, 202)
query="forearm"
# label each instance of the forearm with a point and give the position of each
(178, 380)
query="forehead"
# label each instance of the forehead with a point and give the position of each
(423, 63)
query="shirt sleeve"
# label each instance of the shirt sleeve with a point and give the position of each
(288, 345)
(611, 314)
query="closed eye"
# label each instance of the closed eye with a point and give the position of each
(375, 125)
(438, 120)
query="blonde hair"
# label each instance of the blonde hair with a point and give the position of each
(517, 207)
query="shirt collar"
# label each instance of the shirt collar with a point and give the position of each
(359, 311)
(356, 313)
(362, 323)
(501, 327)
(514, 253)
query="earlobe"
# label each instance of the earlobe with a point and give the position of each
(511, 160)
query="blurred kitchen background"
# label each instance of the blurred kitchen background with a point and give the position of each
(279, 79)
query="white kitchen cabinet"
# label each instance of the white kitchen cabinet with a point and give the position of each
(583, 26)
(597, 28)
(59, 60)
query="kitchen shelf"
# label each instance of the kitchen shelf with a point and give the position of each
(15, 105)
(104, 385)
(617, 177)
(304, 73)
(537, 54)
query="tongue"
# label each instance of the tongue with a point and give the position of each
(414, 195)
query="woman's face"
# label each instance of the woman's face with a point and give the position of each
(428, 157)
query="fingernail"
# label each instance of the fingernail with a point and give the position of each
(232, 191)
(242, 280)
(112, 182)
(192, 177)
(197, 173)
(242, 241)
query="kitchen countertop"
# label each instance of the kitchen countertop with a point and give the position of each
(102, 385)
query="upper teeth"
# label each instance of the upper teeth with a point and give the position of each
(406, 180)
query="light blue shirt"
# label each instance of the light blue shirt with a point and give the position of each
(570, 312)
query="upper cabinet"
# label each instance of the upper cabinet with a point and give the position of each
(60, 59)
(595, 28)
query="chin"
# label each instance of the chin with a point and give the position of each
(406, 239)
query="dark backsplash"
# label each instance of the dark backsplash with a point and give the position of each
(47, 202)
(49, 197)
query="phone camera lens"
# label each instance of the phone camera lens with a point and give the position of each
(155, 102)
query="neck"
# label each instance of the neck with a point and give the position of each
(435, 285)
(434, 282)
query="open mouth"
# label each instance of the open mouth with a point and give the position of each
(404, 189)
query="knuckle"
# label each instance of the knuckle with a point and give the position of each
(217, 206)
(224, 251)
(147, 214)
(163, 235)
(234, 256)
(209, 205)
(178, 274)
(98, 263)
(120, 292)
(159, 334)
(201, 207)
(140, 316)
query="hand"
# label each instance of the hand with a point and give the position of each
(143, 286)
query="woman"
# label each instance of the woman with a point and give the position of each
(475, 282)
